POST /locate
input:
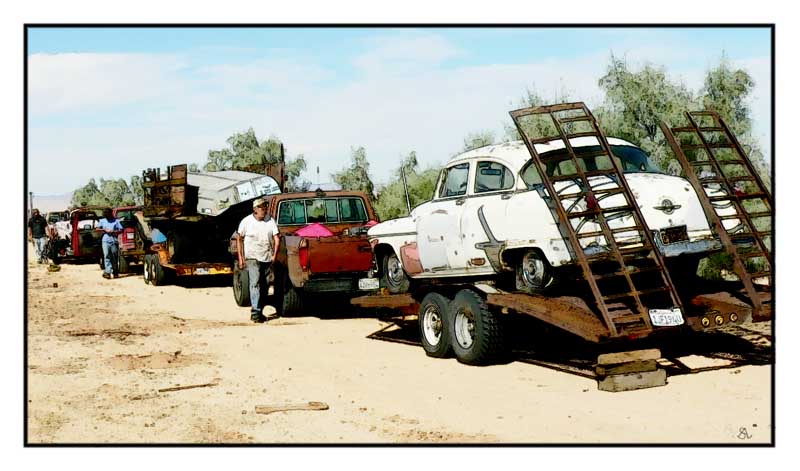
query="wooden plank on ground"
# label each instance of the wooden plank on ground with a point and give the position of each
(625, 357)
(312, 405)
(633, 381)
(639, 366)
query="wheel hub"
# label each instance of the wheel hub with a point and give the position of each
(432, 325)
(395, 271)
(465, 328)
(532, 270)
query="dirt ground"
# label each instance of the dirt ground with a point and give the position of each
(99, 351)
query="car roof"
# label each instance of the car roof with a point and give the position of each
(515, 155)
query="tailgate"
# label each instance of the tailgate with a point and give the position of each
(339, 254)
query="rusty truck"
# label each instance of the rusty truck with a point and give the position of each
(581, 234)
(324, 248)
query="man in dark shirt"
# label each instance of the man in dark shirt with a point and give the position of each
(37, 231)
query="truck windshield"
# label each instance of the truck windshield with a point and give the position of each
(322, 210)
(631, 159)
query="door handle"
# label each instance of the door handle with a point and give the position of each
(506, 196)
(460, 202)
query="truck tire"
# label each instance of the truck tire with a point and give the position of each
(476, 332)
(159, 273)
(393, 277)
(146, 268)
(122, 265)
(241, 286)
(288, 301)
(533, 273)
(434, 328)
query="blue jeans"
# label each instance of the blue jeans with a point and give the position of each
(39, 242)
(110, 253)
(257, 273)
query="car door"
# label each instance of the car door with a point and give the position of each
(492, 186)
(438, 231)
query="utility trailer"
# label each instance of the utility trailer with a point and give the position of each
(626, 291)
(191, 216)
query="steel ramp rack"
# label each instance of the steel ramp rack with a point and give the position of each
(626, 280)
(708, 135)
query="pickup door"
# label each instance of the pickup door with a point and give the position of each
(332, 263)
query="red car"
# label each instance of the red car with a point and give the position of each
(132, 240)
(76, 238)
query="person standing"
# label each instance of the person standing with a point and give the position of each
(37, 233)
(111, 227)
(257, 242)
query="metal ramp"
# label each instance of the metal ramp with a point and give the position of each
(619, 259)
(734, 198)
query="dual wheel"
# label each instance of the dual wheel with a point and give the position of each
(153, 273)
(464, 325)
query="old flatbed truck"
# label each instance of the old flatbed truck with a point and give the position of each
(191, 216)
(467, 317)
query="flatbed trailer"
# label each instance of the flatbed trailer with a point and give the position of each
(468, 318)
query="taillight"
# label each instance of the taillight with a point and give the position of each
(302, 253)
(129, 235)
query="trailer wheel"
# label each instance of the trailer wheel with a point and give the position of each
(476, 333)
(434, 328)
(393, 277)
(146, 269)
(532, 272)
(241, 286)
(159, 274)
(288, 301)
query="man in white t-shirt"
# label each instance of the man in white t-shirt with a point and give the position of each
(257, 242)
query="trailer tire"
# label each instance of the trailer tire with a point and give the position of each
(146, 274)
(393, 277)
(476, 332)
(288, 301)
(159, 274)
(434, 327)
(241, 286)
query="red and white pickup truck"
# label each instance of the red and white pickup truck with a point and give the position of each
(324, 248)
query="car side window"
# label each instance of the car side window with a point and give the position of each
(352, 209)
(455, 181)
(492, 176)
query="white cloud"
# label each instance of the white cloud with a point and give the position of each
(405, 53)
(88, 81)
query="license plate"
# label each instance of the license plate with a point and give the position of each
(666, 317)
(201, 271)
(671, 235)
(368, 283)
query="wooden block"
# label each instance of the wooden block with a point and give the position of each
(624, 357)
(633, 381)
(639, 366)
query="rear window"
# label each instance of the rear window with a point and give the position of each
(321, 210)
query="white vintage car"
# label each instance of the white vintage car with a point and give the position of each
(489, 215)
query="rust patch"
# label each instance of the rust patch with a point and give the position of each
(409, 255)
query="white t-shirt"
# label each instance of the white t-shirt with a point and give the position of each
(258, 237)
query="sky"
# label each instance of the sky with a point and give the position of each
(110, 102)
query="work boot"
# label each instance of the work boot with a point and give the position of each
(106, 276)
(258, 318)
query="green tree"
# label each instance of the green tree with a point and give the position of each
(243, 149)
(88, 195)
(293, 170)
(476, 140)
(356, 176)
(726, 90)
(536, 127)
(391, 201)
(636, 102)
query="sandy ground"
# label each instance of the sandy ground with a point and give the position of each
(98, 351)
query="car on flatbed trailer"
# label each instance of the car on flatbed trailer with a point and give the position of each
(324, 248)
(578, 208)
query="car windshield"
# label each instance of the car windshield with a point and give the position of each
(631, 159)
